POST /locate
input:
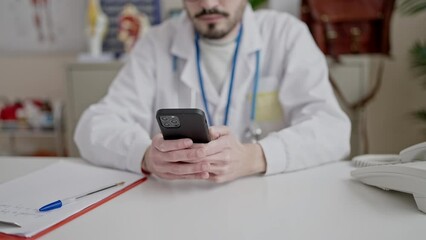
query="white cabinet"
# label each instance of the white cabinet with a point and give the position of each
(86, 83)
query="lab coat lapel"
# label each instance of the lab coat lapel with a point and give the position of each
(184, 49)
(246, 63)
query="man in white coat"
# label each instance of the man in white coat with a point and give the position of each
(236, 54)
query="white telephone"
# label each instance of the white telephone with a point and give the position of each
(405, 172)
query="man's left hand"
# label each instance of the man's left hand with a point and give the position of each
(229, 159)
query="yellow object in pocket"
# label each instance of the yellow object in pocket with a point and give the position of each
(268, 107)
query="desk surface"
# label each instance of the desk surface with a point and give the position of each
(319, 203)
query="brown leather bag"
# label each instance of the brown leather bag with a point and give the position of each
(349, 26)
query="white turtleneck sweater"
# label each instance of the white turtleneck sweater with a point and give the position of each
(216, 59)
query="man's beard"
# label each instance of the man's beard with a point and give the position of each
(212, 31)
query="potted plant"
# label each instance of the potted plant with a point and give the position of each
(256, 4)
(418, 50)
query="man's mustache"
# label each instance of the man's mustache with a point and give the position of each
(212, 11)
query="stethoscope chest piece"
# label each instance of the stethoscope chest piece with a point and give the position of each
(253, 132)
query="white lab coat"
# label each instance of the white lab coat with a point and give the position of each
(302, 123)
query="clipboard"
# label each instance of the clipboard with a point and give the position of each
(73, 212)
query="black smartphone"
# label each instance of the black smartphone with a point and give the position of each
(177, 123)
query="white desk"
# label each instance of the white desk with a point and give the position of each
(319, 203)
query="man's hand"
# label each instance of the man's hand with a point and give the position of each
(175, 159)
(229, 159)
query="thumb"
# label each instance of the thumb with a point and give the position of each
(218, 131)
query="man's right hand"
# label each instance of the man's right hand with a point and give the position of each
(175, 159)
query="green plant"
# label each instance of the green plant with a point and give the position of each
(410, 7)
(258, 3)
(418, 60)
(418, 51)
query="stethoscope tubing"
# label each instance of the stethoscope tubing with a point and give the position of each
(231, 83)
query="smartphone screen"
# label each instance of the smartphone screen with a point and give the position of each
(177, 123)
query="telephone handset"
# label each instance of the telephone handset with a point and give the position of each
(405, 172)
(414, 153)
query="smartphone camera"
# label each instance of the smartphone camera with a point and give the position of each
(170, 121)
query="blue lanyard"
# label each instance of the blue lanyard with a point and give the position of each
(231, 82)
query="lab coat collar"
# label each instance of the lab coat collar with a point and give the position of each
(183, 47)
(183, 40)
(251, 41)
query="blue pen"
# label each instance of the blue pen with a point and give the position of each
(60, 203)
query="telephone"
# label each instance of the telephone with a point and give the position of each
(405, 172)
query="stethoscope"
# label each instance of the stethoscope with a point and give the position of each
(253, 132)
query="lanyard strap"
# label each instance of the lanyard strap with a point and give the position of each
(231, 82)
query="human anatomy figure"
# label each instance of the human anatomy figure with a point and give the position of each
(43, 20)
(132, 25)
(97, 23)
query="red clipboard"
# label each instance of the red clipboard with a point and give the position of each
(4, 236)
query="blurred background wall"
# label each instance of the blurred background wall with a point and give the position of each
(390, 126)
